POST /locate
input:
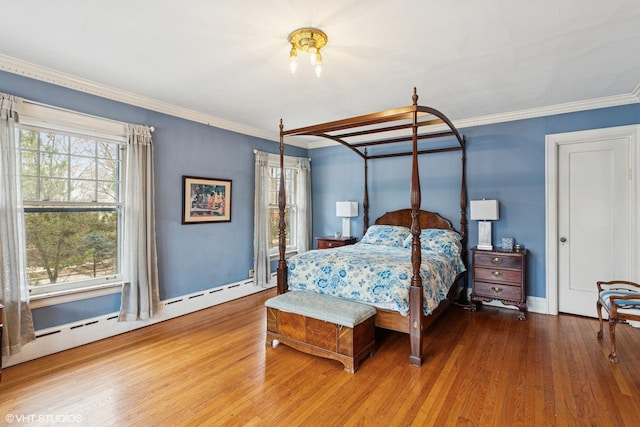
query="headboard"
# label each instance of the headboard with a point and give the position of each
(403, 217)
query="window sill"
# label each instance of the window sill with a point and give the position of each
(61, 297)
(276, 256)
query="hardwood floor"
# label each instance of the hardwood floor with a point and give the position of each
(213, 368)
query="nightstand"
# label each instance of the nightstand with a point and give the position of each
(500, 275)
(334, 242)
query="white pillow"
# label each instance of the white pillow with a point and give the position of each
(438, 240)
(386, 235)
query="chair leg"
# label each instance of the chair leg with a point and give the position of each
(613, 357)
(599, 309)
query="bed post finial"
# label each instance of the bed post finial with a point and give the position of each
(415, 96)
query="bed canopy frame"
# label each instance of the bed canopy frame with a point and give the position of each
(411, 124)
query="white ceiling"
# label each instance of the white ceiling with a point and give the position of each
(228, 60)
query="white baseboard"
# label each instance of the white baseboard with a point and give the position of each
(70, 335)
(64, 337)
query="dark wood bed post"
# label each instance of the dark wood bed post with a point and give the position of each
(463, 221)
(282, 239)
(365, 200)
(415, 292)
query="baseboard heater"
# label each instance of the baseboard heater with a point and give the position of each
(70, 335)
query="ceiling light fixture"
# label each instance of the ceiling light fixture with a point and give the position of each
(309, 40)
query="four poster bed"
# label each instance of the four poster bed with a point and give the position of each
(428, 256)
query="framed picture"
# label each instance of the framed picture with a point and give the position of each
(205, 200)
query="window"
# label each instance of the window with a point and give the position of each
(71, 191)
(297, 174)
(291, 209)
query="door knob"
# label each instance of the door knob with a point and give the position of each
(563, 239)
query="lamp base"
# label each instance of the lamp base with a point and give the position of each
(484, 236)
(346, 227)
(485, 247)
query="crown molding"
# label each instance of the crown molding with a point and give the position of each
(636, 93)
(37, 72)
(16, 66)
(552, 110)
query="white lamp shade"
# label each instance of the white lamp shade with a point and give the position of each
(484, 210)
(347, 209)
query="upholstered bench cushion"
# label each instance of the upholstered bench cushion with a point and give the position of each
(606, 295)
(322, 307)
(630, 306)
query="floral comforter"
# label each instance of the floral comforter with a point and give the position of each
(375, 274)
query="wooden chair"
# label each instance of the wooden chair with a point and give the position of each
(621, 299)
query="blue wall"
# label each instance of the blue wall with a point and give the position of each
(190, 257)
(505, 161)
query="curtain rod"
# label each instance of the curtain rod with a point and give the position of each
(118, 122)
(256, 151)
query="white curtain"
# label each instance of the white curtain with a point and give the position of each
(261, 259)
(140, 294)
(14, 290)
(304, 205)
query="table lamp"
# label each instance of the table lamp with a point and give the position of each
(346, 210)
(484, 211)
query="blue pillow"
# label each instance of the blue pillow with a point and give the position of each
(386, 235)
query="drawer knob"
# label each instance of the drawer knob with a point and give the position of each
(495, 273)
(330, 244)
(496, 260)
(496, 289)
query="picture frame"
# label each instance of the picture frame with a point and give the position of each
(205, 200)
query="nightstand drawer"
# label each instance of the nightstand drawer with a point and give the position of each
(334, 242)
(498, 291)
(498, 275)
(497, 260)
(326, 244)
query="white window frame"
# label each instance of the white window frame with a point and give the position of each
(290, 162)
(34, 115)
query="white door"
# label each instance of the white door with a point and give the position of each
(592, 221)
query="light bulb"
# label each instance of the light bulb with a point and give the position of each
(311, 48)
(318, 63)
(293, 57)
